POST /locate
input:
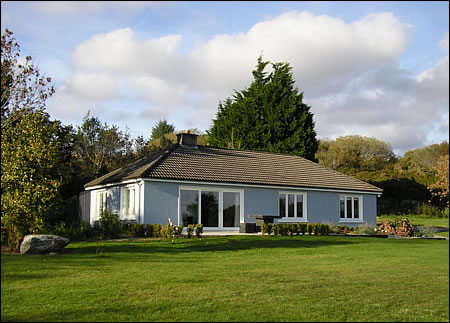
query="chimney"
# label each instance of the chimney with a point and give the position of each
(187, 138)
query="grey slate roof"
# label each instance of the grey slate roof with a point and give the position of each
(221, 165)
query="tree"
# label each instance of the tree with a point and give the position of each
(163, 135)
(353, 154)
(32, 153)
(100, 148)
(441, 187)
(269, 116)
(426, 157)
(161, 128)
(24, 89)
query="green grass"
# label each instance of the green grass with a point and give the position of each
(240, 278)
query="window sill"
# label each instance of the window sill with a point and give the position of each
(351, 221)
(290, 220)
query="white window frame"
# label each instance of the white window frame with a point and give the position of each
(199, 191)
(286, 218)
(129, 211)
(103, 195)
(360, 208)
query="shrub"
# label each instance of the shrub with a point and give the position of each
(309, 228)
(126, 227)
(284, 229)
(276, 229)
(190, 230)
(110, 224)
(79, 231)
(303, 228)
(298, 229)
(367, 229)
(324, 229)
(316, 227)
(430, 211)
(264, 227)
(170, 231)
(149, 230)
(138, 230)
(198, 230)
(269, 228)
(157, 230)
(293, 229)
(82, 231)
(179, 230)
(163, 232)
(398, 227)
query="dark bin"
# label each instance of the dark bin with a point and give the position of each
(247, 228)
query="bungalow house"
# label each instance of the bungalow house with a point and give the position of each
(225, 188)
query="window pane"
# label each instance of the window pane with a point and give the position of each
(231, 209)
(300, 206)
(189, 207)
(282, 205)
(132, 201)
(210, 209)
(291, 205)
(126, 201)
(342, 208)
(349, 207)
(356, 206)
(101, 202)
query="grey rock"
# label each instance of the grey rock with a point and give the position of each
(42, 244)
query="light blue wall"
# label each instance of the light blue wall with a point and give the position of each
(323, 207)
(370, 209)
(260, 201)
(161, 203)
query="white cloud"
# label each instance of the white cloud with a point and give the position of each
(119, 51)
(94, 86)
(159, 91)
(349, 74)
(321, 49)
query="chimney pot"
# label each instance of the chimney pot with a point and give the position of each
(186, 138)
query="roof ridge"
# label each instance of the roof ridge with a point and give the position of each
(252, 151)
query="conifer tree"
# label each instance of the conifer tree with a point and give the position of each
(268, 116)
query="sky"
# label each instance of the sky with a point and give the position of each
(376, 69)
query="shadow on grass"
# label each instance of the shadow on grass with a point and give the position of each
(210, 244)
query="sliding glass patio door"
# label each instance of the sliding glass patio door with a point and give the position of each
(210, 207)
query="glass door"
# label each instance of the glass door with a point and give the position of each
(210, 209)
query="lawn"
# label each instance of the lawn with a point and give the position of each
(239, 278)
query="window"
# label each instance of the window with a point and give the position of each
(214, 208)
(350, 208)
(189, 207)
(292, 206)
(129, 201)
(231, 209)
(101, 202)
(210, 208)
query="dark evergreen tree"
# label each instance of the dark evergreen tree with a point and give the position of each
(161, 128)
(268, 116)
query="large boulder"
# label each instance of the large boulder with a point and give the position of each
(42, 243)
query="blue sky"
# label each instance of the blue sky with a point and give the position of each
(378, 69)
